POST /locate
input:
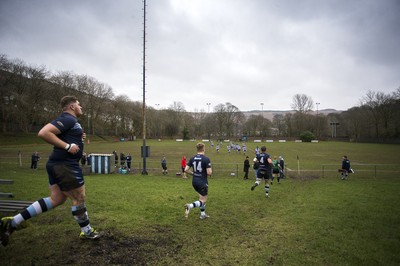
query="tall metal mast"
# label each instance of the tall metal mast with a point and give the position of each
(144, 148)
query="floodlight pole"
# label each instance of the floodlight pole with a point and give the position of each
(317, 119)
(144, 148)
(262, 121)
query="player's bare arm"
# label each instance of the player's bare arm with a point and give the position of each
(49, 134)
(187, 170)
(209, 172)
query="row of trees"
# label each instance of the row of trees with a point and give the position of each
(30, 98)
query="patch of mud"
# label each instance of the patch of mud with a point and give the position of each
(303, 176)
(114, 248)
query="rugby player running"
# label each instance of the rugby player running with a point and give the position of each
(64, 173)
(201, 170)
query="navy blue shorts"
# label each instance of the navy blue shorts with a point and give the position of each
(67, 175)
(201, 186)
(264, 174)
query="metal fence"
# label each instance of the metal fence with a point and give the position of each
(152, 166)
(364, 170)
(234, 169)
(220, 169)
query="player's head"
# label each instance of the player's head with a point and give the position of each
(200, 147)
(67, 100)
(263, 149)
(71, 104)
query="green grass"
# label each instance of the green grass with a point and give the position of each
(308, 220)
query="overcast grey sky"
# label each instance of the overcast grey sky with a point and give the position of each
(245, 52)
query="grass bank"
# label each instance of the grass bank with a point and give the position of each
(306, 221)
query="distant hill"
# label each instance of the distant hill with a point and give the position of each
(269, 114)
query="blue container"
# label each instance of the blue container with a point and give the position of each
(102, 163)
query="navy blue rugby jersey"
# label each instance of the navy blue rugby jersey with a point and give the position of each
(199, 163)
(346, 164)
(263, 160)
(71, 132)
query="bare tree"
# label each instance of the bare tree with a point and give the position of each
(35, 96)
(94, 96)
(174, 122)
(119, 115)
(177, 106)
(353, 119)
(379, 105)
(233, 118)
(253, 125)
(396, 107)
(220, 117)
(64, 83)
(289, 124)
(302, 103)
(209, 125)
(171, 122)
(195, 125)
(6, 92)
(279, 123)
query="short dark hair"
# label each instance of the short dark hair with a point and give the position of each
(200, 146)
(263, 148)
(66, 100)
